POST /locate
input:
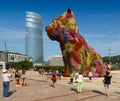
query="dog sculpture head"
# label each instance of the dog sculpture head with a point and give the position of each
(59, 29)
(77, 54)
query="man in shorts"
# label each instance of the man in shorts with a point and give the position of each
(107, 82)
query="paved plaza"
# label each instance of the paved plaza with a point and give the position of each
(38, 89)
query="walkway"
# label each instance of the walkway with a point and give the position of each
(38, 89)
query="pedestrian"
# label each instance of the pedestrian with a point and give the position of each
(71, 78)
(54, 79)
(79, 80)
(107, 82)
(6, 81)
(90, 75)
(17, 77)
(23, 78)
(40, 71)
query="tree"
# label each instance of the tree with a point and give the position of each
(23, 64)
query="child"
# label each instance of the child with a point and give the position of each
(53, 78)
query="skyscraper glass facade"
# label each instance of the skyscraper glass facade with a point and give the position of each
(34, 38)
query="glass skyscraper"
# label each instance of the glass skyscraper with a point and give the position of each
(34, 38)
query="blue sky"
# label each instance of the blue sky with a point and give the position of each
(98, 22)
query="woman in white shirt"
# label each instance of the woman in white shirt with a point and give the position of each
(79, 82)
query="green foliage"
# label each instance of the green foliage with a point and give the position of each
(23, 64)
(113, 59)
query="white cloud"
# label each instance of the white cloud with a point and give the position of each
(103, 48)
(10, 33)
(102, 42)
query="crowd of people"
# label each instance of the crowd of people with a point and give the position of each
(20, 78)
(78, 77)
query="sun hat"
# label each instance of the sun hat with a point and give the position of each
(4, 70)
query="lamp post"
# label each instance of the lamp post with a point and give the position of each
(109, 56)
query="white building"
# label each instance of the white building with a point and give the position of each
(13, 57)
(55, 61)
(2, 65)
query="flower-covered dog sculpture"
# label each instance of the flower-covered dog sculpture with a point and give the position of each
(77, 54)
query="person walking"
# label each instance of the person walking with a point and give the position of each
(6, 81)
(90, 75)
(54, 79)
(79, 82)
(107, 82)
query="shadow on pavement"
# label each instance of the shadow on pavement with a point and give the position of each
(73, 89)
(96, 91)
(11, 92)
(117, 92)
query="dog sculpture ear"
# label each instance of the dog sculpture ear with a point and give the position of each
(69, 11)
